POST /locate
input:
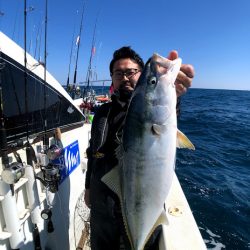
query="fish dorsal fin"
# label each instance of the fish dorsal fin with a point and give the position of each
(162, 220)
(183, 141)
(158, 129)
(112, 180)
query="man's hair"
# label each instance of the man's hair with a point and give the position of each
(124, 53)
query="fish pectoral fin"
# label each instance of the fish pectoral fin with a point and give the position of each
(158, 129)
(112, 180)
(183, 141)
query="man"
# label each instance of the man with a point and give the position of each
(106, 223)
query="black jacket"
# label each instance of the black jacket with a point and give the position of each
(105, 136)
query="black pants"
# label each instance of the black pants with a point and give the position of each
(107, 232)
(106, 223)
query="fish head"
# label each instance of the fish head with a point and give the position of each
(160, 92)
(154, 97)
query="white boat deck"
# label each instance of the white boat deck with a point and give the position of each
(182, 232)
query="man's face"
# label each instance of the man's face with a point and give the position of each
(125, 74)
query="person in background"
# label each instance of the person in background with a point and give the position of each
(107, 229)
(56, 140)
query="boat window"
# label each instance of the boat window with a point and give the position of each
(25, 110)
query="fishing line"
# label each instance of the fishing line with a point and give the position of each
(15, 21)
(37, 40)
(40, 42)
(32, 28)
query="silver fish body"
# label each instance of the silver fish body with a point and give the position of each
(147, 161)
(149, 143)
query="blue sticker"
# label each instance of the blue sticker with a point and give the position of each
(68, 161)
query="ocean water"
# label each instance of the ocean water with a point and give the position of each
(216, 176)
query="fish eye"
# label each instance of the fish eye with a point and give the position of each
(153, 80)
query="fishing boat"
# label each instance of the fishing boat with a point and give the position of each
(42, 182)
(41, 198)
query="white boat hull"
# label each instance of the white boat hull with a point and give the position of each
(69, 212)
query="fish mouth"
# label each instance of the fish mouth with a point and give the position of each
(161, 64)
(164, 67)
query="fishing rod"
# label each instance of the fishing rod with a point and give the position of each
(3, 137)
(39, 49)
(26, 10)
(29, 148)
(8, 204)
(70, 57)
(78, 42)
(25, 69)
(89, 72)
(12, 172)
(45, 139)
(51, 175)
(7, 167)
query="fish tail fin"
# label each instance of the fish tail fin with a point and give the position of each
(162, 220)
(183, 141)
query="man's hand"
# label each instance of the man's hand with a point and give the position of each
(87, 198)
(185, 76)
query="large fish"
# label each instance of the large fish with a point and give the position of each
(147, 156)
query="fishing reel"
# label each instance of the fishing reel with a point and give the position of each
(73, 90)
(51, 177)
(78, 90)
(13, 173)
(46, 214)
(51, 173)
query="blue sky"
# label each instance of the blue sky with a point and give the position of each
(213, 35)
